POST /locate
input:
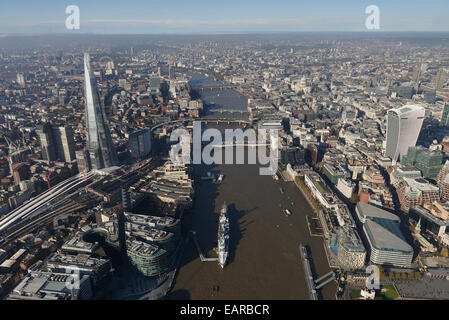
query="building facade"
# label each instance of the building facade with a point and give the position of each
(140, 143)
(387, 245)
(403, 127)
(416, 192)
(57, 143)
(99, 142)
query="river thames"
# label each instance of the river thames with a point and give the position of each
(264, 259)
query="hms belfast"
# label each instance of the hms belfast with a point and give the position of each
(99, 142)
(223, 236)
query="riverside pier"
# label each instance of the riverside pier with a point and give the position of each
(313, 285)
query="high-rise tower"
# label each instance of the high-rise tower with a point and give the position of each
(440, 79)
(99, 141)
(126, 204)
(44, 132)
(403, 128)
(64, 143)
(20, 79)
(444, 121)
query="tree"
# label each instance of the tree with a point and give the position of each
(354, 198)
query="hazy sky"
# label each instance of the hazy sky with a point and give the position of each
(201, 16)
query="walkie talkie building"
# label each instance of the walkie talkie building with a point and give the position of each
(99, 141)
(403, 128)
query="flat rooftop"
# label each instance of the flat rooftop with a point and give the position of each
(147, 231)
(387, 236)
(76, 243)
(368, 211)
(151, 221)
(79, 260)
(142, 248)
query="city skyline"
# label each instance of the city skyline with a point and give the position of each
(138, 17)
(301, 165)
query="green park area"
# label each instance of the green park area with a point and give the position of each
(388, 292)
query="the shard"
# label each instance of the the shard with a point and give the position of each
(99, 141)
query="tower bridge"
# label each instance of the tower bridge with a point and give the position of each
(220, 87)
(231, 111)
(225, 121)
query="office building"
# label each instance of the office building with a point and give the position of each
(147, 259)
(126, 204)
(171, 72)
(47, 144)
(443, 181)
(349, 114)
(403, 128)
(428, 162)
(399, 173)
(76, 245)
(83, 160)
(416, 192)
(64, 143)
(313, 154)
(444, 121)
(57, 143)
(140, 143)
(40, 285)
(434, 218)
(430, 97)
(20, 79)
(351, 252)
(20, 172)
(387, 244)
(293, 155)
(440, 79)
(122, 83)
(96, 268)
(335, 172)
(346, 187)
(155, 85)
(99, 142)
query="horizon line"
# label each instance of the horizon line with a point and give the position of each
(74, 33)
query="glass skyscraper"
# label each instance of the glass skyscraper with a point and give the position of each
(140, 142)
(445, 116)
(99, 141)
(403, 127)
(56, 142)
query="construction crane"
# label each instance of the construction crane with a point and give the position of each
(47, 177)
(134, 156)
(84, 163)
(23, 139)
(12, 147)
(330, 135)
